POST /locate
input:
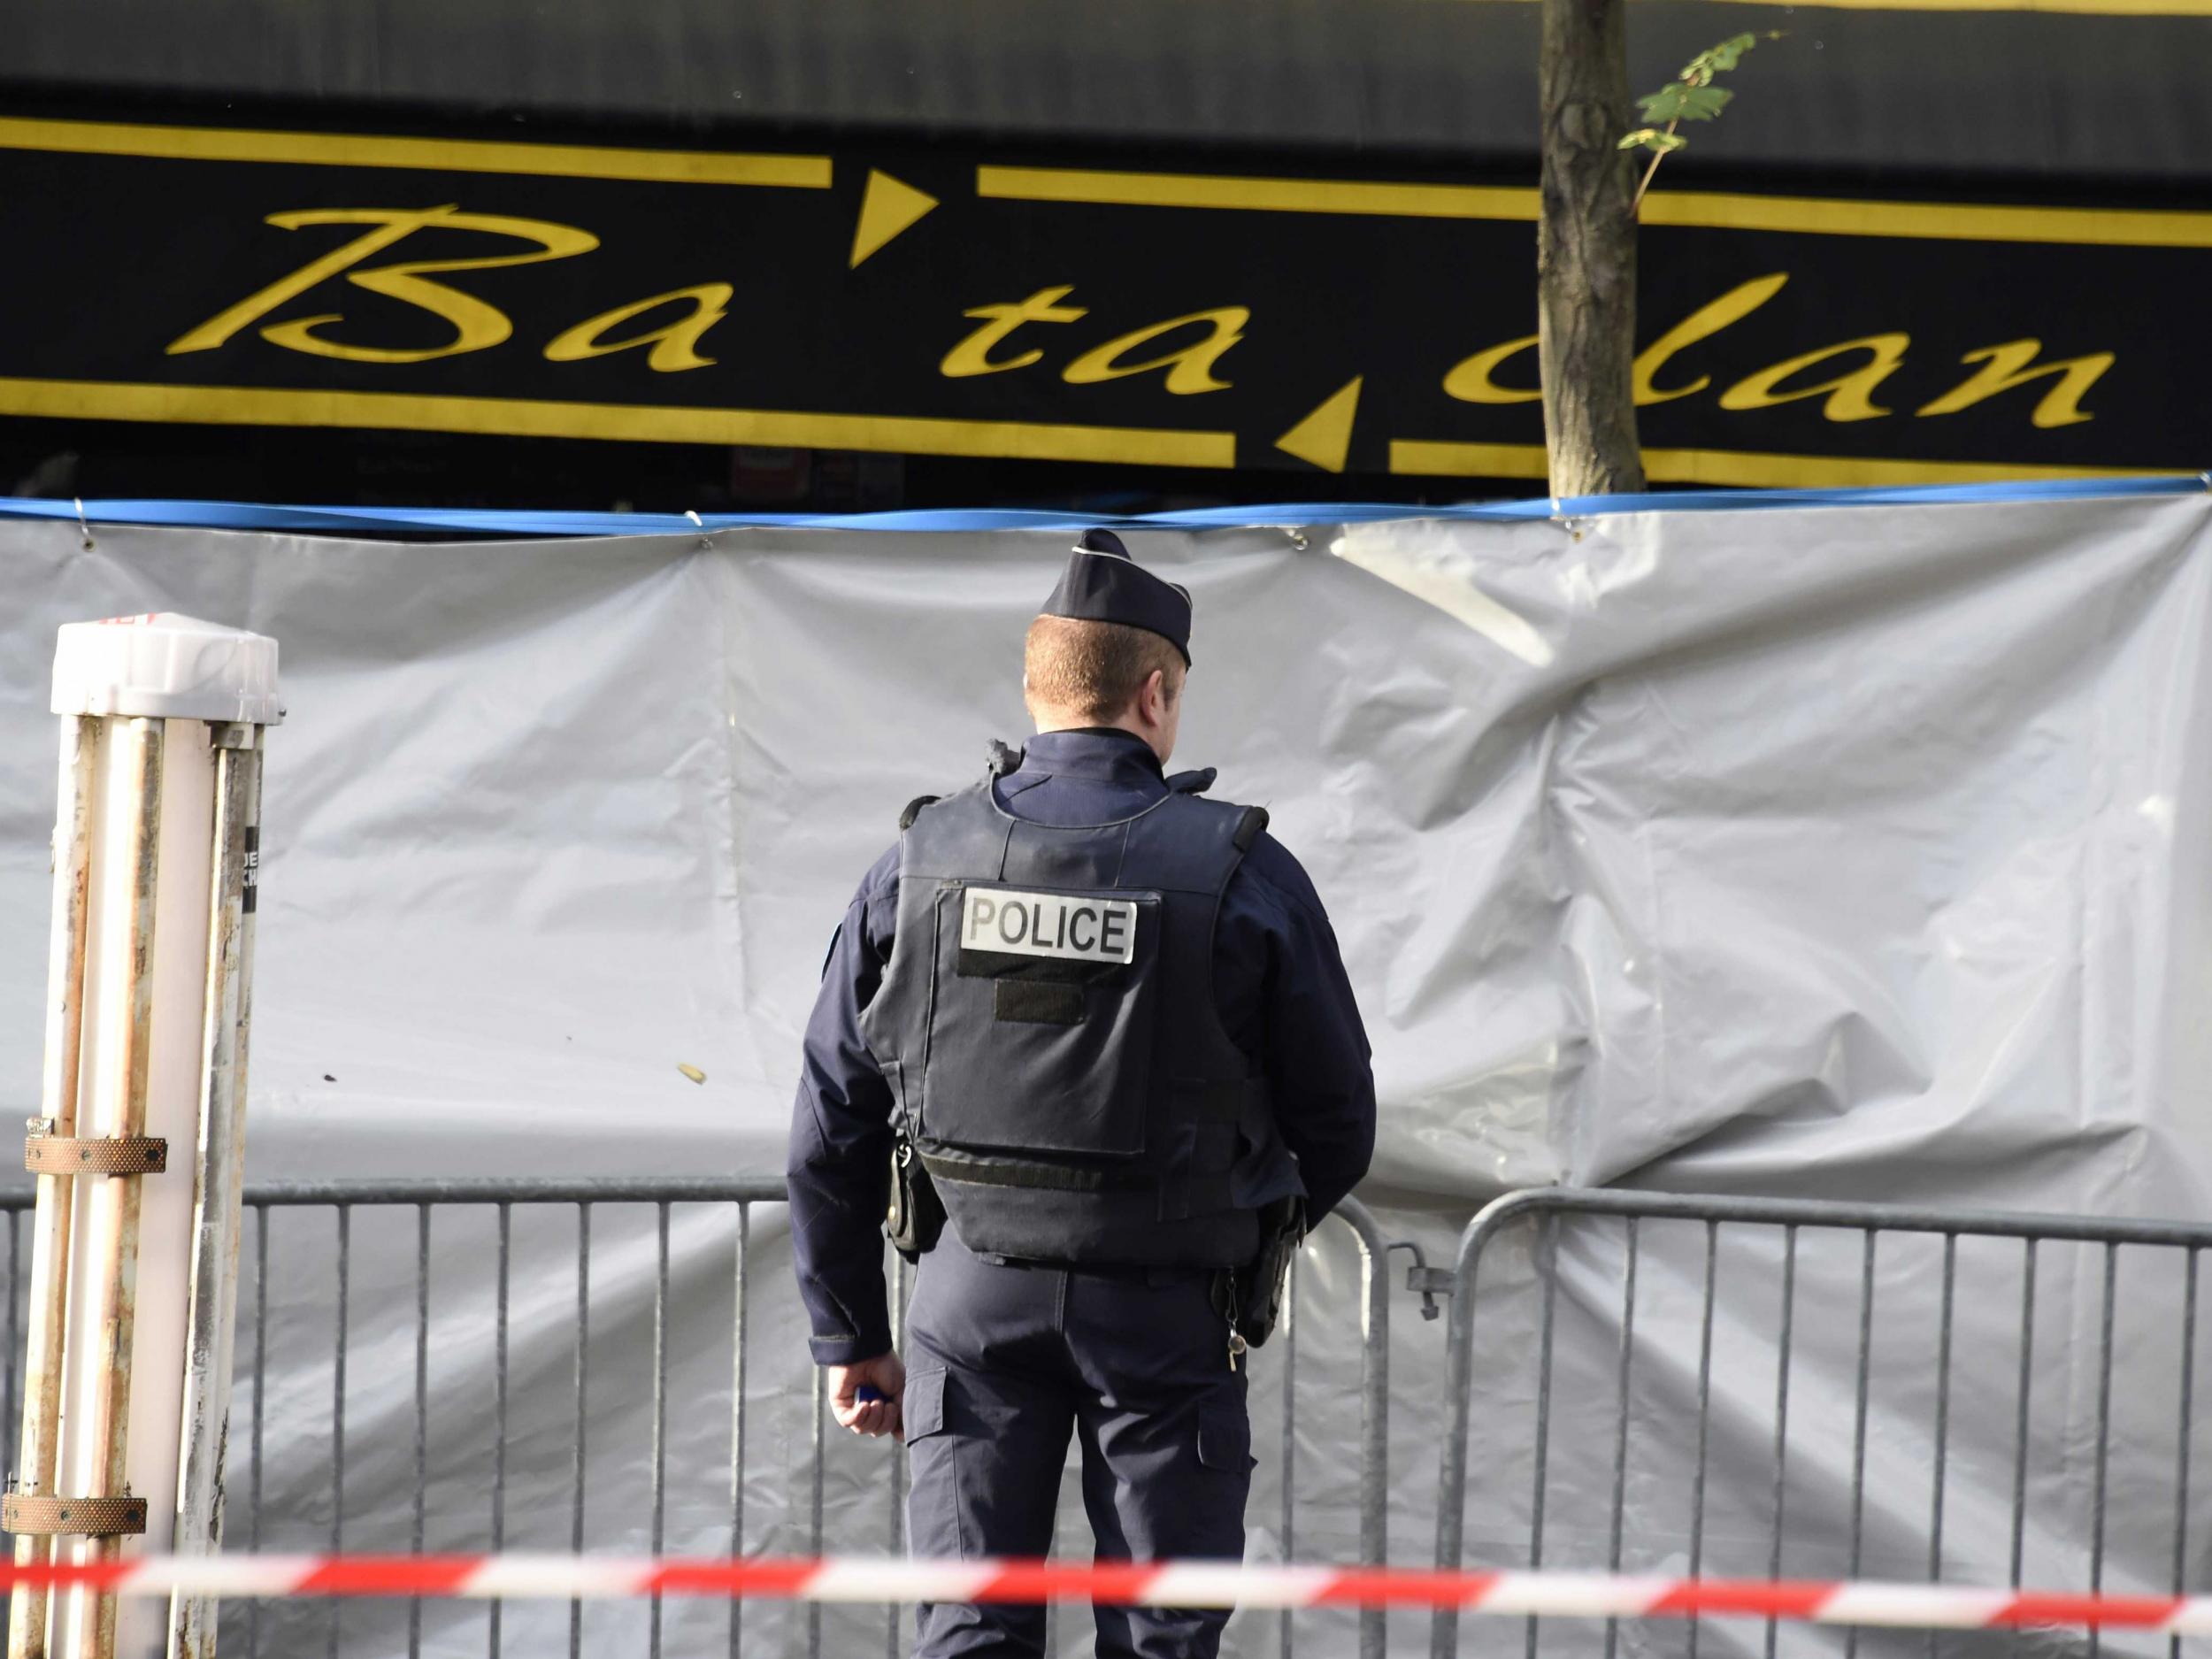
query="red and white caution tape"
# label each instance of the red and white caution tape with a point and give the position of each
(1171, 1584)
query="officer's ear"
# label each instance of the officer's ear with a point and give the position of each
(1156, 696)
(1171, 685)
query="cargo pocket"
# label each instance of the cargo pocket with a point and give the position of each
(935, 1514)
(922, 1407)
(1225, 1436)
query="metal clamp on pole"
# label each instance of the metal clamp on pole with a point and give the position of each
(96, 1155)
(1430, 1282)
(32, 1517)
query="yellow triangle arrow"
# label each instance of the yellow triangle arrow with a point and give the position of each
(1324, 437)
(889, 207)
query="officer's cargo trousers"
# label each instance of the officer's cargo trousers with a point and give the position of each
(1004, 1363)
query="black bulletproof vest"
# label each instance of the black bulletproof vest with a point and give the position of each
(1046, 1022)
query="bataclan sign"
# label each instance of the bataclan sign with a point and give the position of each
(932, 303)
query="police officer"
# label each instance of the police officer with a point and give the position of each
(1105, 1018)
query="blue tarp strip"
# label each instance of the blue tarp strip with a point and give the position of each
(369, 521)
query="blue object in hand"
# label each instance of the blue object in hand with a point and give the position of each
(868, 1393)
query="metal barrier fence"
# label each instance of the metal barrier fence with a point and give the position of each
(1801, 1389)
(337, 1369)
(1750, 1388)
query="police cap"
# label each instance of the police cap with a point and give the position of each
(1103, 584)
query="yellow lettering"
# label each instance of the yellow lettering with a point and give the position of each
(1850, 397)
(675, 344)
(972, 355)
(1470, 379)
(476, 325)
(1190, 368)
(2006, 366)
(1701, 323)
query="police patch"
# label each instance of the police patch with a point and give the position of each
(1070, 927)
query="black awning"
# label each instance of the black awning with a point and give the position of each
(2038, 97)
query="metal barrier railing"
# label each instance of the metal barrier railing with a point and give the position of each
(1650, 1363)
(1912, 1339)
(542, 1417)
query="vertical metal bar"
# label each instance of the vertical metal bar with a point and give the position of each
(1704, 1419)
(1374, 1411)
(422, 1412)
(894, 1612)
(1782, 1412)
(1451, 1507)
(51, 1219)
(2181, 1449)
(1052, 1608)
(213, 1278)
(337, 1412)
(499, 1401)
(816, 1436)
(583, 1344)
(1620, 1426)
(260, 1401)
(737, 1419)
(15, 1291)
(1858, 1422)
(2020, 1432)
(1290, 1437)
(1942, 1415)
(660, 1415)
(1548, 1253)
(110, 1312)
(2104, 1437)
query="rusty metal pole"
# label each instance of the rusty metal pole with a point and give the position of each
(129, 1354)
(220, 1174)
(112, 1302)
(50, 1221)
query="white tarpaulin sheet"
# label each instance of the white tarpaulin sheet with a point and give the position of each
(1858, 852)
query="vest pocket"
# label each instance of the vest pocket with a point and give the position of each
(1040, 1003)
(1037, 1053)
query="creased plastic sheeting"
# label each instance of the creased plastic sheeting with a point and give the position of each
(1834, 854)
(1840, 852)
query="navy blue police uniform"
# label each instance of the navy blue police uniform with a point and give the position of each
(1109, 1017)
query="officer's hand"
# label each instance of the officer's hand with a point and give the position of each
(887, 1376)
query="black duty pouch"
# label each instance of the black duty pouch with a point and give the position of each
(1250, 1297)
(915, 1216)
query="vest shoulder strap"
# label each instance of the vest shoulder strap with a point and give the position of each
(962, 832)
(1194, 842)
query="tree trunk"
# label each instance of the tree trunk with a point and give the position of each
(1585, 253)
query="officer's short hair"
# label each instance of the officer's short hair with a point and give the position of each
(1094, 668)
